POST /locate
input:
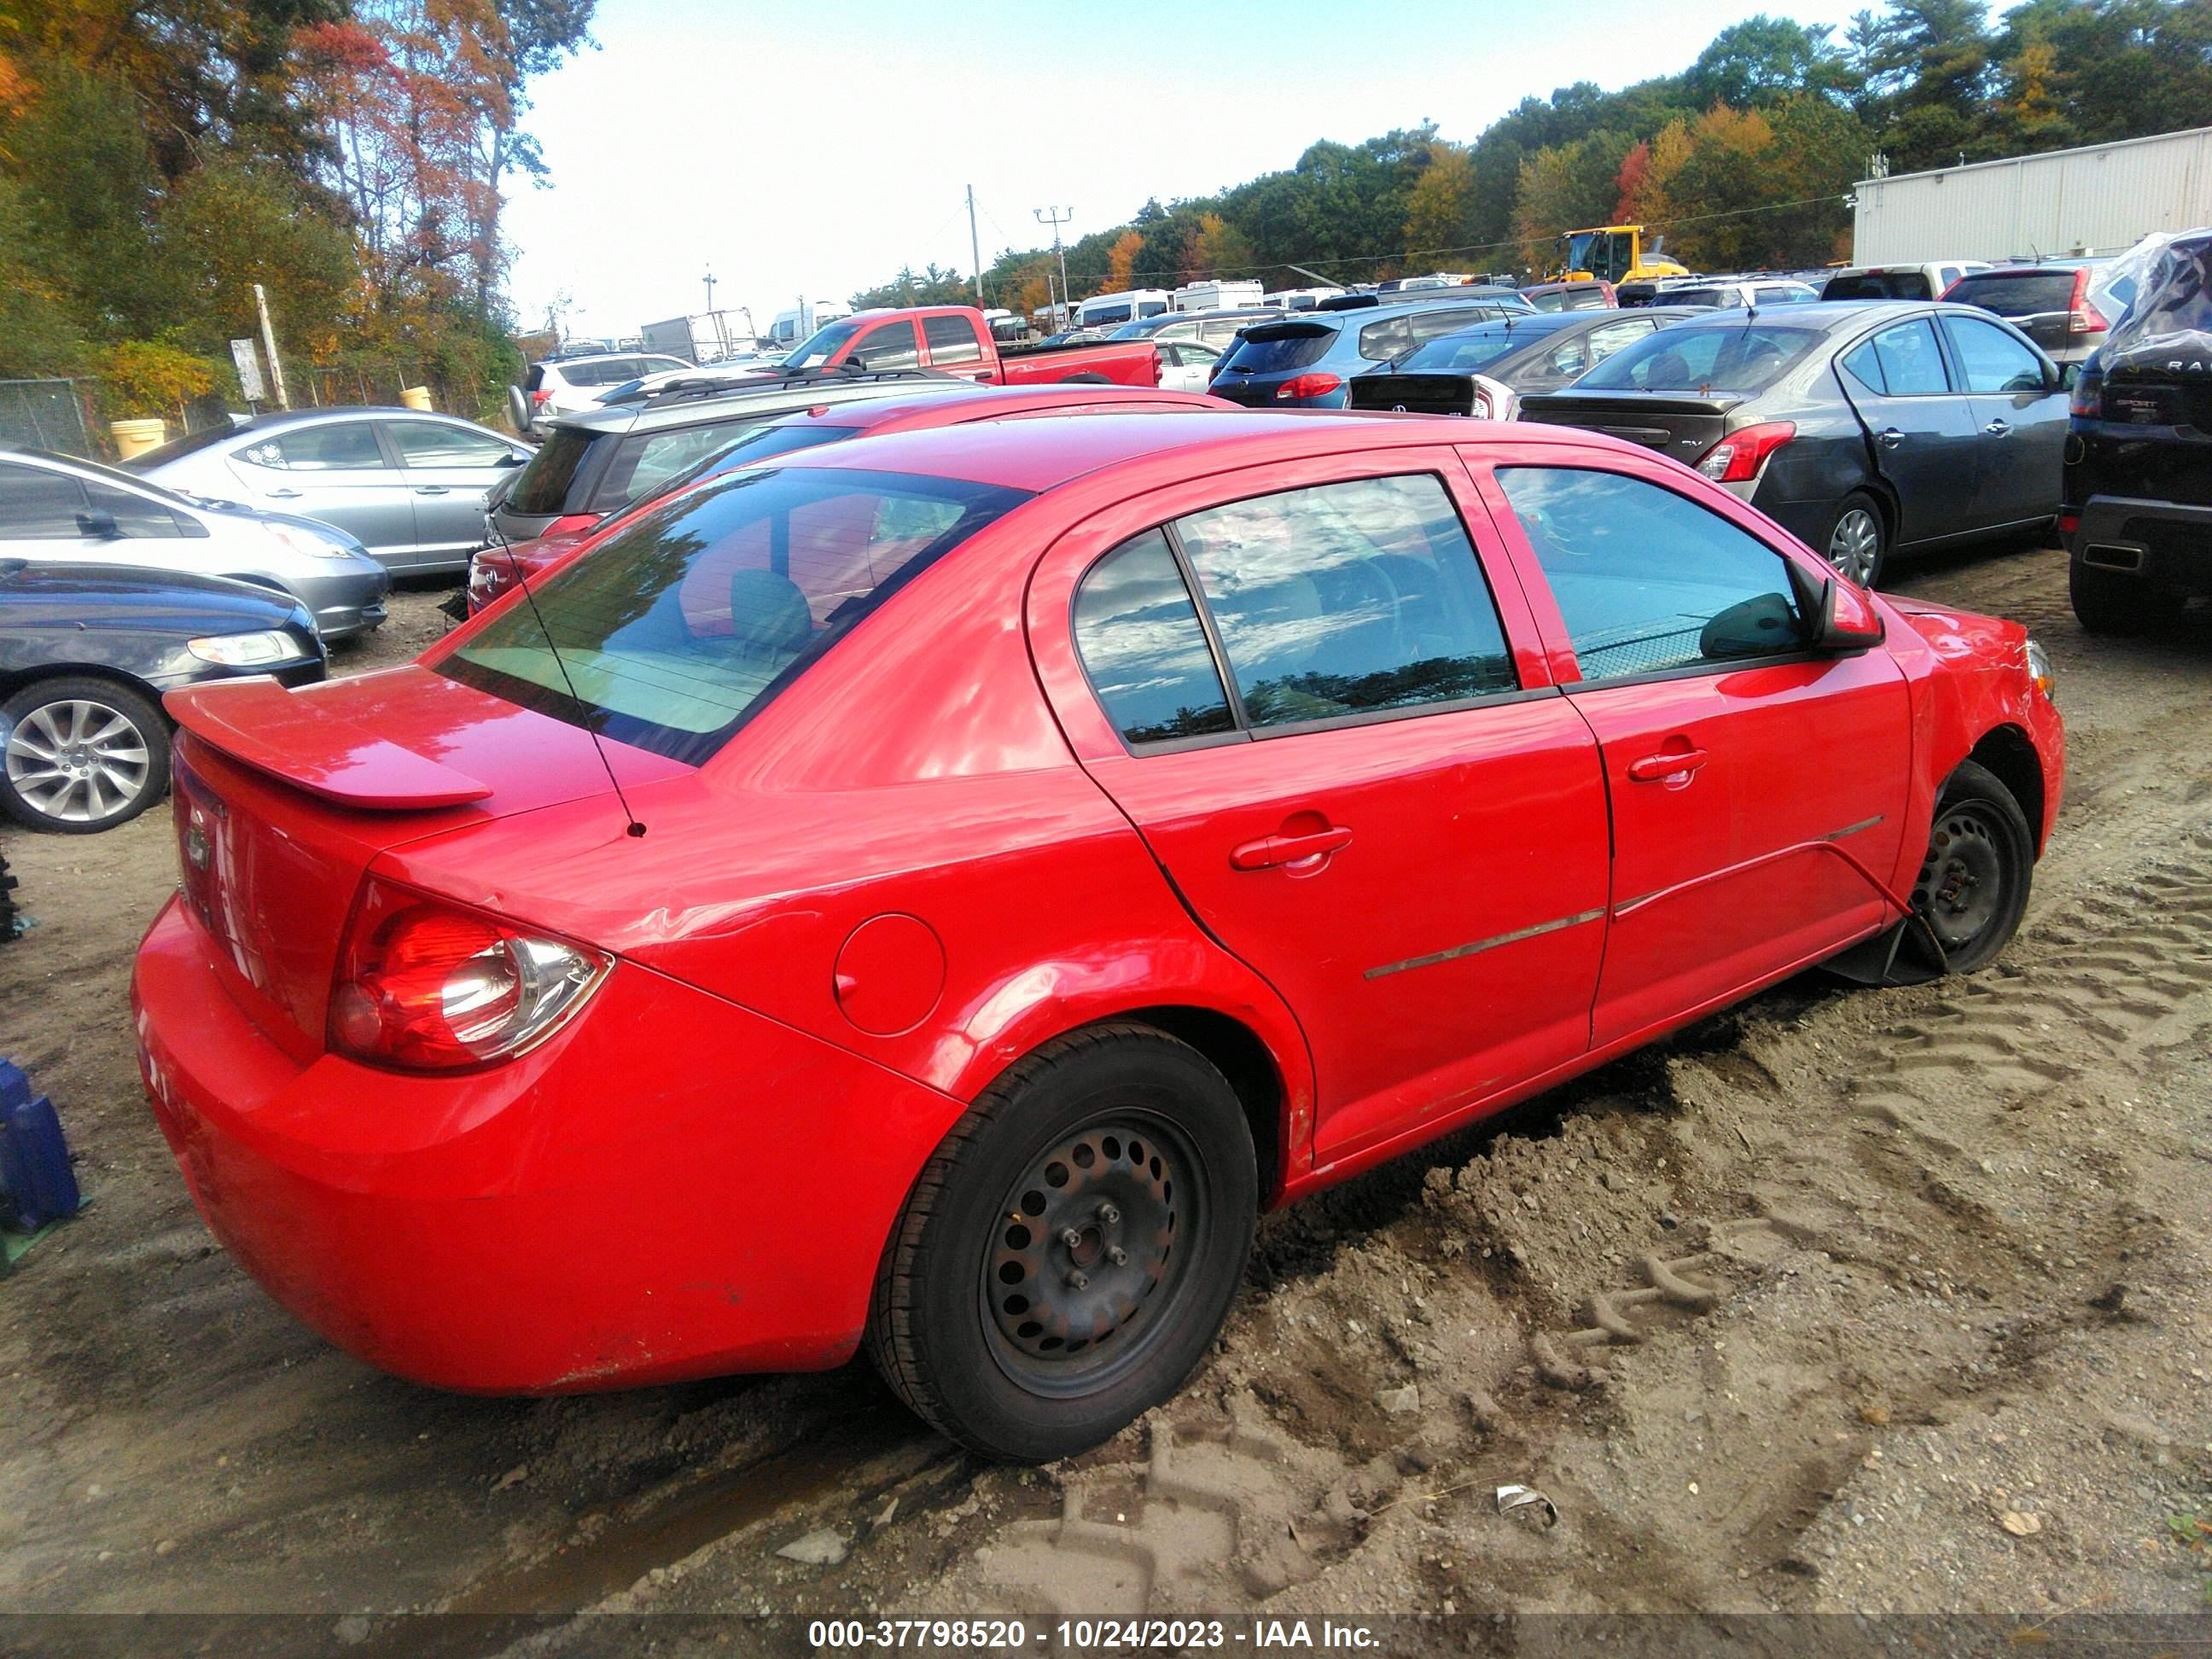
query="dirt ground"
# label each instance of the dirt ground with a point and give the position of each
(1847, 1300)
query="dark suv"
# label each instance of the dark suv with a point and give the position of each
(1304, 361)
(598, 461)
(2137, 517)
(2047, 300)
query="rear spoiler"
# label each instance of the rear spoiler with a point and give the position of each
(260, 724)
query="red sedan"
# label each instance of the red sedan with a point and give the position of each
(943, 885)
(495, 570)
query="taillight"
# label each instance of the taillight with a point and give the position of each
(1483, 409)
(2088, 398)
(540, 397)
(426, 984)
(2068, 523)
(1737, 457)
(1309, 386)
(1159, 369)
(2081, 317)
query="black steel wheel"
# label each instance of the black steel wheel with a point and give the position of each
(1973, 885)
(1071, 1248)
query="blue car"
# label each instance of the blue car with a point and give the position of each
(1304, 361)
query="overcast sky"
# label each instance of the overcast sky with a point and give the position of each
(821, 146)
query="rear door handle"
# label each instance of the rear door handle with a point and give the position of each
(1997, 428)
(1667, 764)
(1889, 437)
(1269, 851)
(431, 489)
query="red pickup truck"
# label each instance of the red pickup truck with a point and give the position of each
(956, 340)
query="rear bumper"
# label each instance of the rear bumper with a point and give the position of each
(2166, 544)
(613, 1207)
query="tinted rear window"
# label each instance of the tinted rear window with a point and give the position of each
(1690, 358)
(542, 488)
(647, 460)
(674, 631)
(1277, 348)
(1879, 285)
(2015, 293)
(608, 371)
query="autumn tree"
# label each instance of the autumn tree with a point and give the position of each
(1438, 205)
(1121, 260)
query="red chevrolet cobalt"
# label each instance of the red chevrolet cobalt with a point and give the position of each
(930, 892)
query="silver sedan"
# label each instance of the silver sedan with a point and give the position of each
(410, 486)
(58, 509)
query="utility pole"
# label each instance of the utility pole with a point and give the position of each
(710, 288)
(975, 247)
(269, 341)
(1056, 217)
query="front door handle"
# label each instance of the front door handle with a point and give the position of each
(1997, 428)
(284, 495)
(1889, 437)
(1667, 764)
(1270, 851)
(431, 489)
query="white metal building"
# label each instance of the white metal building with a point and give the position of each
(2097, 199)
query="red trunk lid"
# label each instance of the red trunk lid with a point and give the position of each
(284, 798)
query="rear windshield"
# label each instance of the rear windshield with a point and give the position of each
(2015, 293)
(675, 630)
(541, 489)
(177, 448)
(1690, 358)
(647, 460)
(1464, 353)
(608, 371)
(1277, 348)
(1879, 285)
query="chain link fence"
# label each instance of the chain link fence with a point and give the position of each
(50, 414)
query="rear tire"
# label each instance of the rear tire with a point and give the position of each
(1856, 540)
(1071, 1248)
(1974, 879)
(80, 754)
(2106, 602)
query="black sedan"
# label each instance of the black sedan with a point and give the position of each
(86, 652)
(1863, 428)
(1484, 371)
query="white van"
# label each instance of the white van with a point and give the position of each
(1105, 310)
(1216, 296)
(790, 327)
(1297, 298)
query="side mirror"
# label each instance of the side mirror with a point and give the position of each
(1837, 616)
(511, 459)
(98, 525)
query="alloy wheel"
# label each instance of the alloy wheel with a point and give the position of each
(1087, 1252)
(1855, 545)
(77, 761)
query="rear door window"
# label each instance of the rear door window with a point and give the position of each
(1990, 359)
(1145, 649)
(951, 340)
(1362, 597)
(37, 505)
(889, 345)
(1716, 595)
(332, 446)
(1903, 362)
(1389, 338)
(433, 443)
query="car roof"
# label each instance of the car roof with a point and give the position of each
(986, 403)
(2028, 267)
(681, 405)
(1053, 450)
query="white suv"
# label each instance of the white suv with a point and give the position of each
(560, 384)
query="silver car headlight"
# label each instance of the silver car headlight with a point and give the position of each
(2039, 667)
(307, 542)
(246, 650)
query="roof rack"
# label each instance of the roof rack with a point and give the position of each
(692, 389)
